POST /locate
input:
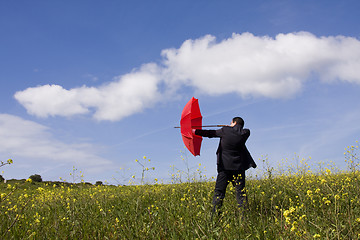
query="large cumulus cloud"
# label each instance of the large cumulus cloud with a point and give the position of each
(244, 64)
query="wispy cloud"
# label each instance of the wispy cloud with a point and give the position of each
(25, 139)
(330, 134)
(244, 64)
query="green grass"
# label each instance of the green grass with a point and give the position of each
(289, 206)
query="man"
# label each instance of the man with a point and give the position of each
(233, 159)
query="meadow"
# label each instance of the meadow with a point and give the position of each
(292, 203)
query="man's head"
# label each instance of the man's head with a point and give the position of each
(237, 121)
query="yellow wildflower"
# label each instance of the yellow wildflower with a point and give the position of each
(316, 236)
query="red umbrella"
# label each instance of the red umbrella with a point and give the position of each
(191, 118)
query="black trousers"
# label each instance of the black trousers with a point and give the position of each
(224, 177)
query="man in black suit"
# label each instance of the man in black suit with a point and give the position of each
(233, 159)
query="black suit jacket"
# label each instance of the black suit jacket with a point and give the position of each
(232, 153)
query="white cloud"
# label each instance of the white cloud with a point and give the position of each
(51, 100)
(126, 95)
(244, 64)
(262, 66)
(25, 139)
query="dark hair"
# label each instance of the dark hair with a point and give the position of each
(239, 121)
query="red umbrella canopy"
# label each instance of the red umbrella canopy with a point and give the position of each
(191, 118)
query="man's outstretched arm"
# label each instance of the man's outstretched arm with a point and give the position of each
(206, 133)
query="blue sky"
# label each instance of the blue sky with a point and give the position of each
(99, 84)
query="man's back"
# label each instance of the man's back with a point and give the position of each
(232, 153)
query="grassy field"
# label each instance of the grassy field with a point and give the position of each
(291, 205)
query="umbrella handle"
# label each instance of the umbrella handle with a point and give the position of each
(206, 126)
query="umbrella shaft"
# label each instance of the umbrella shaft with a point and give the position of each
(206, 126)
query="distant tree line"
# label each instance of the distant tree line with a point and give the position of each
(34, 178)
(38, 178)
